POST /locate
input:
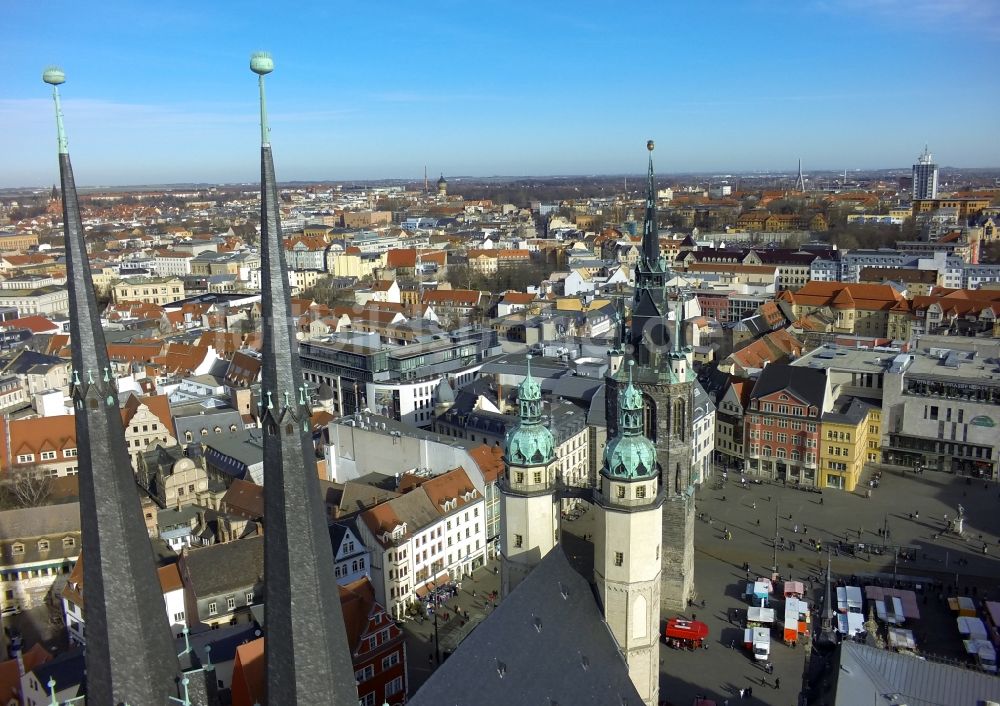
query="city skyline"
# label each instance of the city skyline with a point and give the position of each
(568, 89)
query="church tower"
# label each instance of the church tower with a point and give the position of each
(664, 375)
(627, 545)
(529, 515)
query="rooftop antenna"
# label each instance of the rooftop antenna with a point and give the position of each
(425, 178)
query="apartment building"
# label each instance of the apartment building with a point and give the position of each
(43, 301)
(782, 424)
(152, 290)
(222, 582)
(72, 596)
(849, 439)
(870, 310)
(729, 417)
(39, 546)
(433, 533)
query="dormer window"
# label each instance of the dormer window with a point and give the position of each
(17, 548)
(43, 545)
(68, 542)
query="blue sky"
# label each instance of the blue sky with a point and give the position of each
(161, 92)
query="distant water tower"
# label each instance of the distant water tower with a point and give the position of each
(442, 187)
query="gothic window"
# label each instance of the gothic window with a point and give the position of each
(649, 421)
(639, 617)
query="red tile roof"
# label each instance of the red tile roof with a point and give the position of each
(35, 324)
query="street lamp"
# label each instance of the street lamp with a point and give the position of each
(774, 545)
(437, 646)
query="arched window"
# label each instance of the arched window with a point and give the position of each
(648, 420)
(766, 451)
(782, 453)
(678, 419)
(639, 617)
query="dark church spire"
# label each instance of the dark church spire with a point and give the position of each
(650, 230)
(308, 660)
(130, 652)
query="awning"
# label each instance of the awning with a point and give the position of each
(441, 579)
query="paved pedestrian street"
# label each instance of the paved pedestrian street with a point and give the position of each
(859, 535)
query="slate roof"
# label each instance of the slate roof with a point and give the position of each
(30, 522)
(222, 568)
(809, 387)
(67, 669)
(25, 360)
(546, 643)
(867, 673)
(849, 410)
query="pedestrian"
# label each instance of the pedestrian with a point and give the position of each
(742, 691)
(916, 515)
(777, 682)
(749, 692)
(795, 529)
(732, 644)
(758, 522)
(754, 505)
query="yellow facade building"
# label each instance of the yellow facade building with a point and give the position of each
(849, 438)
(152, 290)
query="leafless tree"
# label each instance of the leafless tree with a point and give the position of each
(29, 486)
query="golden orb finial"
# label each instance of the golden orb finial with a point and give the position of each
(649, 145)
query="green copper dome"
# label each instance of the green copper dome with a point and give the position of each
(630, 455)
(530, 443)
